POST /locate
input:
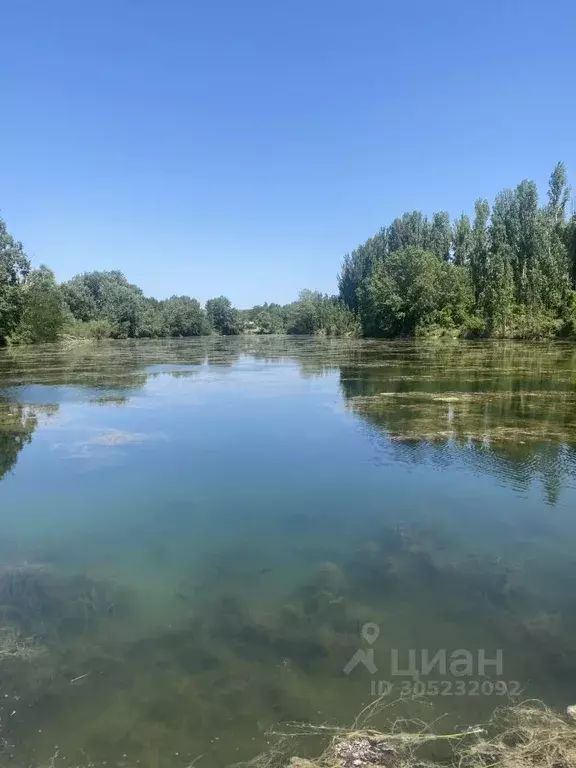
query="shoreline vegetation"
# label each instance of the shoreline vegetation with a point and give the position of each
(526, 735)
(508, 272)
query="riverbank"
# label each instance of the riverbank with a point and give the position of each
(529, 735)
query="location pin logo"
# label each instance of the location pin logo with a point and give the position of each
(370, 632)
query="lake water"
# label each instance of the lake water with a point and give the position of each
(197, 537)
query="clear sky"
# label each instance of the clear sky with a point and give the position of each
(243, 146)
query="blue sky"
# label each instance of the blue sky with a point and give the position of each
(243, 146)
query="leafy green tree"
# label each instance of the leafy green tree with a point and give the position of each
(570, 241)
(317, 313)
(479, 253)
(358, 265)
(518, 263)
(462, 240)
(268, 322)
(403, 293)
(14, 266)
(306, 318)
(184, 316)
(409, 230)
(267, 318)
(106, 296)
(151, 320)
(498, 292)
(558, 194)
(223, 317)
(524, 238)
(440, 238)
(555, 260)
(42, 308)
(79, 299)
(512, 272)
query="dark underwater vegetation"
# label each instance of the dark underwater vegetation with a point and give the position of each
(196, 534)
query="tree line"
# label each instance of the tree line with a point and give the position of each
(104, 304)
(509, 271)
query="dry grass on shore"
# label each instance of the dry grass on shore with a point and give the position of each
(528, 735)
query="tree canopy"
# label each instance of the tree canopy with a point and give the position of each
(504, 270)
(223, 317)
(509, 272)
(14, 266)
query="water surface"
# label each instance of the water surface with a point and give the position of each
(194, 534)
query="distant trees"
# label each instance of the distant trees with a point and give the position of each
(107, 302)
(317, 313)
(507, 271)
(267, 321)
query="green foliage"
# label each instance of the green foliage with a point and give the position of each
(317, 313)
(410, 230)
(509, 274)
(462, 241)
(533, 324)
(106, 296)
(43, 312)
(265, 319)
(90, 329)
(183, 316)
(14, 266)
(570, 244)
(441, 235)
(267, 322)
(413, 291)
(223, 317)
(357, 267)
(480, 249)
(107, 304)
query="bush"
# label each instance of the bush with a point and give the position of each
(533, 324)
(92, 329)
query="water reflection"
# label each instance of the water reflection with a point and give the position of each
(210, 578)
(504, 409)
(18, 421)
(17, 424)
(507, 409)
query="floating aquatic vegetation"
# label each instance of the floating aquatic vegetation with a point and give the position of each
(249, 644)
(481, 417)
(519, 425)
(117, 437)
(111, 399)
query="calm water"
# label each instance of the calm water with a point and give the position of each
(194, 534)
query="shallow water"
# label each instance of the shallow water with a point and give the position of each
(197, 537)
